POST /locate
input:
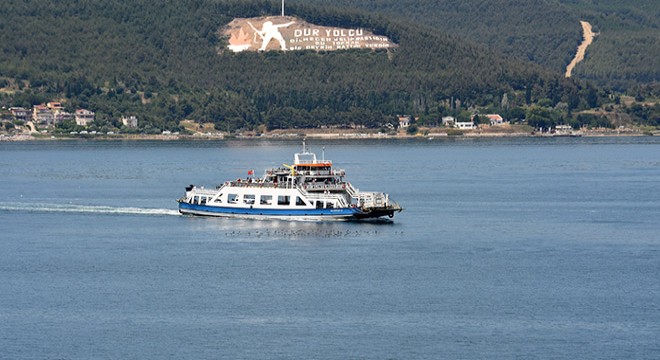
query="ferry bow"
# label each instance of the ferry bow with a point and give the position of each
(310, 189)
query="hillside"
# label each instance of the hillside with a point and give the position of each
(165, 62)
(625, 55)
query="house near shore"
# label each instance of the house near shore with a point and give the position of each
(130, 121)
(452, 122)
(61, 116)
(466, 125)
(404, 121)
(84, 117)
(55, 106)
(50, 114)
(42, 115)
(19, 113)
(496, 120)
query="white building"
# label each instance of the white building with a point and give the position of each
(464, 124)
(448, 121)
(404, 121)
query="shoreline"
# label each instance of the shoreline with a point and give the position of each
(342, 135)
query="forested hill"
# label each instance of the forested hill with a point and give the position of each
(625, 54)
(164, 61)
(534, 30)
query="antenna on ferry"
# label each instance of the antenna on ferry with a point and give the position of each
(323, 154)
(304, 148)
(282, 7)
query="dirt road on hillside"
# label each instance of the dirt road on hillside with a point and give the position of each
(582, 49)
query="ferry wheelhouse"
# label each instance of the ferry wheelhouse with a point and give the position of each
(310, 189)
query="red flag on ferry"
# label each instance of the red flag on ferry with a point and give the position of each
(250, 172)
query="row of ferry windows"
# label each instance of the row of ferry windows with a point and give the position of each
(263, 200)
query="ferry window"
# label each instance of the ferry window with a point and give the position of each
(299, 201)
(329, 205)
(218, 199)
(248, 199)
(195, 199)
(319, 204)
(232, 198)
(283, 200)
(266, 200)
(202, 200)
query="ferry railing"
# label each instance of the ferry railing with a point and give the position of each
(257, 184)
(322, 186)
(312, 161)
(202, 191)
(352, 191)
(373, 200)
(314, 173)
(342, 201)
(321, 172)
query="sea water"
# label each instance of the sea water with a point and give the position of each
(507, 248)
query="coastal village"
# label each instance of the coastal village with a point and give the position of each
(48, 120)
(44, 119)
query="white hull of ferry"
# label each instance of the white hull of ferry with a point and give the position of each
(308, 210)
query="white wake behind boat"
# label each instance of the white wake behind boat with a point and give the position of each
(310, 189)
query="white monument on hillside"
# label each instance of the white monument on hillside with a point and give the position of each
(292, 33)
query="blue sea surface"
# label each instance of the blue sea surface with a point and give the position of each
(507, 248)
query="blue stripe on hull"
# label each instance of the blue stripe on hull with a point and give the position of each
(186, 208)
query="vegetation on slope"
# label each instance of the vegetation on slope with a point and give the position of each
(624, 56)
(164, 62)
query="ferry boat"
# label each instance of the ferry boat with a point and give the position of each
(310, 189)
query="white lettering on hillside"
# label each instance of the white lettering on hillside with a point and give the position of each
(335, 39)
(294, 34)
